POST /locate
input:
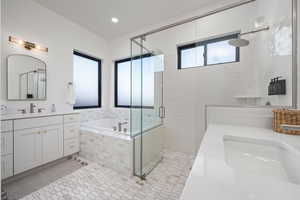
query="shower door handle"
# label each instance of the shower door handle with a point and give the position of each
(162, 112)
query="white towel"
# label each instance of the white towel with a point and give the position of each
(71, 94)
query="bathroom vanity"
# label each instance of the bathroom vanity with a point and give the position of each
(32, 140)
(240, 162)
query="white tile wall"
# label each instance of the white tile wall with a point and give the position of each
(112, 152)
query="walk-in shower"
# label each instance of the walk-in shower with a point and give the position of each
(198, 61)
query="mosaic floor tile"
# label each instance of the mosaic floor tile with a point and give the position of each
(95, 182)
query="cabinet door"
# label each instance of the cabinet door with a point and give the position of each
(52, 143)
(6, 143)
(27, 149)
(6, 166)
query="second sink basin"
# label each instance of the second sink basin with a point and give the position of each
(262, 158)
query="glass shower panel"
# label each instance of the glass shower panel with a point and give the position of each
(152, 146)
(136, 104)
(146, 106)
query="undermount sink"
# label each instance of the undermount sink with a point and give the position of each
(262, 158)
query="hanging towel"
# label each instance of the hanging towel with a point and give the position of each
(70, 94)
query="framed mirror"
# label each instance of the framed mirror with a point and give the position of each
(26, 78)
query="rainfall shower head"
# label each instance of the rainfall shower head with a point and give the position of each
(239, 42)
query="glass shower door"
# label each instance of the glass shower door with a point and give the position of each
(147, 109)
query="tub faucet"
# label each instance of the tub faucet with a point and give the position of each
(120, 125)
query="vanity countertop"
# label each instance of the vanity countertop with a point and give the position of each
(216, 176)
(35, 115)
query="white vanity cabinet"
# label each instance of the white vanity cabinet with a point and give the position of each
(37, 141)
(6, 149)
(31, 142)
(71, 134)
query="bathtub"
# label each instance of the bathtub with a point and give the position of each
(101, 144)
(105, 127)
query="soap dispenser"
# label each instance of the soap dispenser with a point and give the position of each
(271, 87)
(53, 108)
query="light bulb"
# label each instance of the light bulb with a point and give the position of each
(20, 42)
(115, 20)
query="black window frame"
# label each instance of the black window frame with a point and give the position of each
(204, 44)
(77, 53)
(116, 80)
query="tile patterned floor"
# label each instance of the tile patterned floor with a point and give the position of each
(39, 178)
(95, 182)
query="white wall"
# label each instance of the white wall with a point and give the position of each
(238, 116)
(186, 92)
(0, 82)
(298, 56)
(29, 21)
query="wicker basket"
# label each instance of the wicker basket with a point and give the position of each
(285, 116)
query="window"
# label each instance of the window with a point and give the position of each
(209, 52)
(142, 82)
(87, 81)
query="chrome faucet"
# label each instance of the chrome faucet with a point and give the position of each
(23, 111)
(120, 125)
(32, 106)
(40, 110)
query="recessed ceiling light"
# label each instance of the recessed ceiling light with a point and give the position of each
(115, 20)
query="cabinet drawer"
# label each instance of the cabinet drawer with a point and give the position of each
(37, 122)
(6, 143)
(71, 146)
(71, 131)
(6, 126)
(74, 118)
(6, 166)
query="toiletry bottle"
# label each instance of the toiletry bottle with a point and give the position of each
(53, 108)
(273, 87)
(269, 88)
(277, 86)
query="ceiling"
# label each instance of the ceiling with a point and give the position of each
(95, 15)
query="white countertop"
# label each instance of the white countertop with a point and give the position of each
(35, 115)
(211, 177)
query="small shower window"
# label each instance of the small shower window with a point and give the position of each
(136, 73)
(208, 52)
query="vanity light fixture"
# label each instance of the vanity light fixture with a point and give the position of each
(27, 45)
